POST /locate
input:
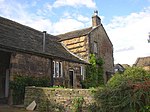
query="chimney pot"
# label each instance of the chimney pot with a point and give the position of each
(95, 19)
(95, 12)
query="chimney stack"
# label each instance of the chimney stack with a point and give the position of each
(44, 37)
(96, 19)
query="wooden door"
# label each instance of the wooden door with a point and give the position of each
(71, 74)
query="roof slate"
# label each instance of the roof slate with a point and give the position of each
(74, 34)
(17, 36)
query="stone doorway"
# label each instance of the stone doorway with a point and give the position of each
(71, 74)
(4, 76)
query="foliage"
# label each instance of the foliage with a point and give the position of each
(20, 82)
(94, 73)
(126, 92)
(93, 108)
(77, 104)
(50, 106)
(146, 109)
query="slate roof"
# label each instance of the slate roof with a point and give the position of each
(74, 34)
(15, 36)
(142, 61)
(119, 68)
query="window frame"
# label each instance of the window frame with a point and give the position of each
(82, 72)
(57, 69)
(54, 72)
(95, 47)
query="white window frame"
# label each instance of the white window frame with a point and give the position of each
(54, 74)
(82, 72)
(57, 69)
(95, 47)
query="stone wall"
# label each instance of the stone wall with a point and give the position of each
(30, 65)
(65, 79)
(78, 46)
(57, 97)
(104, 47)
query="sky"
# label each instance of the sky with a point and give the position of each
(127, 22)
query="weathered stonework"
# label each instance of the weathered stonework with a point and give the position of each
(65, 80)
(92, 40)
(30, 65)
(58, 96)
(105, 49)
(83, 46)
(78, 46)
(29, 52)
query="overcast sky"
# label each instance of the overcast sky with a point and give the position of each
(127, 22)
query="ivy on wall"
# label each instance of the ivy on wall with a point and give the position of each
(94, 73)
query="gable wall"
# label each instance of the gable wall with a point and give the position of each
(105, 48)
(78, 46)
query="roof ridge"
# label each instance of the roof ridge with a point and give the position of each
(74, 34)
(13, 21)
(28, 27)
(74, 31)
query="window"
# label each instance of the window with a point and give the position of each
(58, 71)
(95, 49)
(54, 75)
(82, 72)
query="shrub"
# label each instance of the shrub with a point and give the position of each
(77, 104)
(20, 82)
(126, 92)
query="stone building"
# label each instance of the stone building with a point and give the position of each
(28, 52)
(92, 40)
(143, 62)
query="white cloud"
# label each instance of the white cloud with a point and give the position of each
(1, 1)
(18, 12)
(65, 25)
(127, 31)
(49, 6)
(83, 18)
(75, 3)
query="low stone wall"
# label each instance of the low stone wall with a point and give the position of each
(60, 98)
